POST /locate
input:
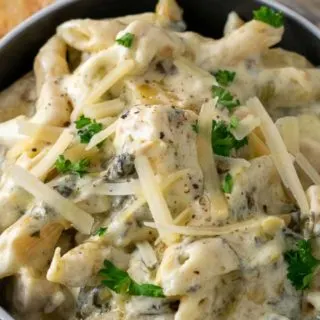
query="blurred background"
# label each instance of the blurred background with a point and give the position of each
(12, 12)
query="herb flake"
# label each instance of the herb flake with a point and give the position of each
(267, 15)
(87, 128)
(234, 122)
(227, 183)
(101, 231)
(224, 77)
(126, 40)
(225, 98)
(64, 165)
(195, 127)
(302, 265)
(223, 141)
(120, 282)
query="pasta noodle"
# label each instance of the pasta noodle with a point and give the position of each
(148, 172)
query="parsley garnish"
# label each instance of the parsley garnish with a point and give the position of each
(234, 122)
(195, 127)
(225, 98)
(82, 122)
(301, 265)
(224, 77)
(269, 16)
(227, 183)
(101, 231)
(120, 282)
(126, 40)
(64, 165)
(88, 128)
(223, 141)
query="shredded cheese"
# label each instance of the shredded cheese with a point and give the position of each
(109, 80)
(39, 131)
(78, 152)
(280, 155)
(257, 147)
(46, 164)
(191, 68)
(217, 231)
(116, 74)
(289, 130)
(307, 167)
(147, 254)
(245, 127)
(80, 219)
(102, 135)
(114, 189)
(154, 196)
(219, 206)
(104, 109)
(164, 185)
(183, 217)
(106, 122)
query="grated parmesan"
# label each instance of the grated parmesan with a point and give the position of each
(217, 231)
(219, 206)
(102, 135)
(46, 164)
(147, 253)
(289, 130)
(280, 155)
(80, 219)
(307, 167)
(153, 194)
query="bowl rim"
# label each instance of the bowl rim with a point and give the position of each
(60, 4)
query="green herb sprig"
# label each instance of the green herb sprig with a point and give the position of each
(227, 183)
(126, 40)
(64, 165)
(101, 231)
(87, 128)
(223, 141)
(120, 282)
(224, 77)
(302, 265)
(269, 16)
(225, 98)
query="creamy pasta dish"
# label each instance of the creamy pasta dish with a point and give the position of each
(148, 172)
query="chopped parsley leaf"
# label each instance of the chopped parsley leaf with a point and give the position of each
(234, 122)
(82, 122)
(302, 265)
(195, 127)
(120, 282)
(225, 98)
(223, 141)
(101, 231)
(87, 128)
(227, 183)
(269, 16)
(64, 165)
(224, 77)
(126, 40)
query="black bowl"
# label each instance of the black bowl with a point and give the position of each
(18, 48)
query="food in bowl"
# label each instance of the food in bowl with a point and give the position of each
(153, 173)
